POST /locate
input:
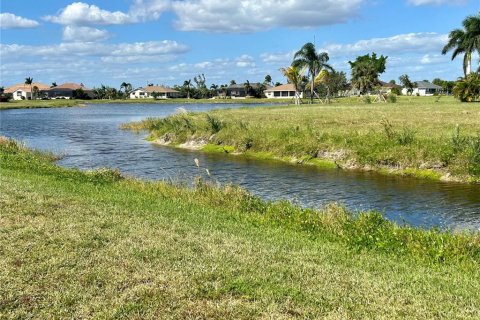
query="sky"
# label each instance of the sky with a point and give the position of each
(166, 42)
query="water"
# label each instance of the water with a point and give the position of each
(90, 137)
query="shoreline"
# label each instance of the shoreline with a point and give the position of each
(322, 163)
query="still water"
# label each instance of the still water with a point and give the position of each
(89, 137)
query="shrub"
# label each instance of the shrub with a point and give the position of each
(367, 99)
(392, 98)
(468, 89)
(215, 124)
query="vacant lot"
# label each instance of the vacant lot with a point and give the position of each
(437, 138)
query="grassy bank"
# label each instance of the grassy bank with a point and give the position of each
(60, 103)
(423, 137)
(30, 104)
(96, 245)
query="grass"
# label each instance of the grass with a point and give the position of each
(59, 103)
(424, 137)
(97, 245)
(29, 104)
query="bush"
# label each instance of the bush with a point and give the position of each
(392, 98)
(468, 89)
(367, 99)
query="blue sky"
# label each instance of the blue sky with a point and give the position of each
(169, 41)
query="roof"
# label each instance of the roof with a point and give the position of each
(242, 85)
(70, 86)
(158, 89)
(427, 85)
(283, 87)
(26, 87)
(389, 85)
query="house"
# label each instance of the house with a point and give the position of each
(282, 91)
(23, 91)
(387, 87)
(68, 91)
(152, 91)
(424, 88)
(238, 91)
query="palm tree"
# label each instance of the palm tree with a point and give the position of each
(127, 87)
(315, 61)
(187, 84)
(54, 84)
(465, 41)
(248, 88)
(294, 76)
(29, 81)
(468, 89)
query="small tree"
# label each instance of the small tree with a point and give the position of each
(407, 84)
(468, 89)
(366, 70)
(295, 76)
(268, 80)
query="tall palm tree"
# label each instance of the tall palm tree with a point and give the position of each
(315, 61)
(294, 76)
(465, 41)
(187, 84)
(29, 81)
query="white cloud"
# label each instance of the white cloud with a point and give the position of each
(245, 61)
(84, 34)
(127, 51)
(82, 14)
(411, 42)
(142, 10)
(274, 58)
(11, 21)
(435, 2)
(254, 15)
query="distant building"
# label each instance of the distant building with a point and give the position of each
(23, 91)
(148, 92)
(387, 87)
(67, 91)
(424, 88)
(282, 91)
(236, 91)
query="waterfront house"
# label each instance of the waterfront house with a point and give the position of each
(68, 91)
(152, 91)
(238, 91)
(282, 91)
(23, 91)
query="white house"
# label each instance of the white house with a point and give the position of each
(282, 91)
(424, 88)
(23, 91)
(151, 91)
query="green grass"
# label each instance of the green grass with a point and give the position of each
(421, 137)
(96, 245)
(29, 104)
(59, 103)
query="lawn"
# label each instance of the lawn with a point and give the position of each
(428, 137)
(96, 245)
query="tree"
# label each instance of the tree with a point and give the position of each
(248, 88)
(294, 76)
(465, 41)
(333, 83)
(187, 84)
(406, 83)
(54, 84)
(268, 80)
(35, 92)
(127, 88)
(446, 85)
(29, 81)
(308, 57)
(366, 70)
(468, 89)
(202, 90)
(232, 82)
